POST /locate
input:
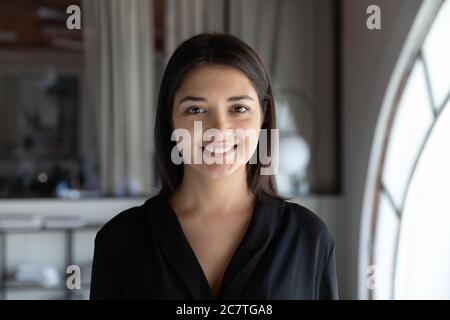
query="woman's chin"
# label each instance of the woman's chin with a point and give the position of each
(217, 171)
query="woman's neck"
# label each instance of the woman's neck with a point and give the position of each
(208, 196)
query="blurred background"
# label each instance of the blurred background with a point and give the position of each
(363, 117)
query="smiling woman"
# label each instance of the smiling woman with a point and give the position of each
(215, 230)
(223, 110)
(220, 75)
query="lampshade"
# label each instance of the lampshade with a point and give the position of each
(294, 154)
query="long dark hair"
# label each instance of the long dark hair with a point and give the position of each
(217, 49)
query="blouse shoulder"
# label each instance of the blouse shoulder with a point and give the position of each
(131, 219)
(308, 222)
(123, 222)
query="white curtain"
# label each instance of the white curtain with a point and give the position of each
(119, 37)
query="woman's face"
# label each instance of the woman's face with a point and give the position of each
(219, 109)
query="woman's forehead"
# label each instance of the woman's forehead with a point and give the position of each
(216, 80)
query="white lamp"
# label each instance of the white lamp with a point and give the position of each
(294, 158)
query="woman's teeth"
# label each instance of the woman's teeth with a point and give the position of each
(218, 150)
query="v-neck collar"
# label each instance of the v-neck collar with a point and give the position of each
(180, 255)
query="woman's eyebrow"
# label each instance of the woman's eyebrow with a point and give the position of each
(237, 98)
(192, 98)
(200, 99)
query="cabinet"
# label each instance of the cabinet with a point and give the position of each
(10, 286)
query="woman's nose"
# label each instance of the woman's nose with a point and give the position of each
(217, 120)
(218, 127)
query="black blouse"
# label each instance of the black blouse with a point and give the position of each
(287, 252)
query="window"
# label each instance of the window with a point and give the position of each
(409, 243)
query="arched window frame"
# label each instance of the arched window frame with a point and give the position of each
(410, 54)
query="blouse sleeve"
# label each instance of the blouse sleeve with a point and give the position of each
(103, 281)
(328, 284)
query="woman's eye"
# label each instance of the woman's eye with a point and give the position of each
(240, 109)
(194, 110)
